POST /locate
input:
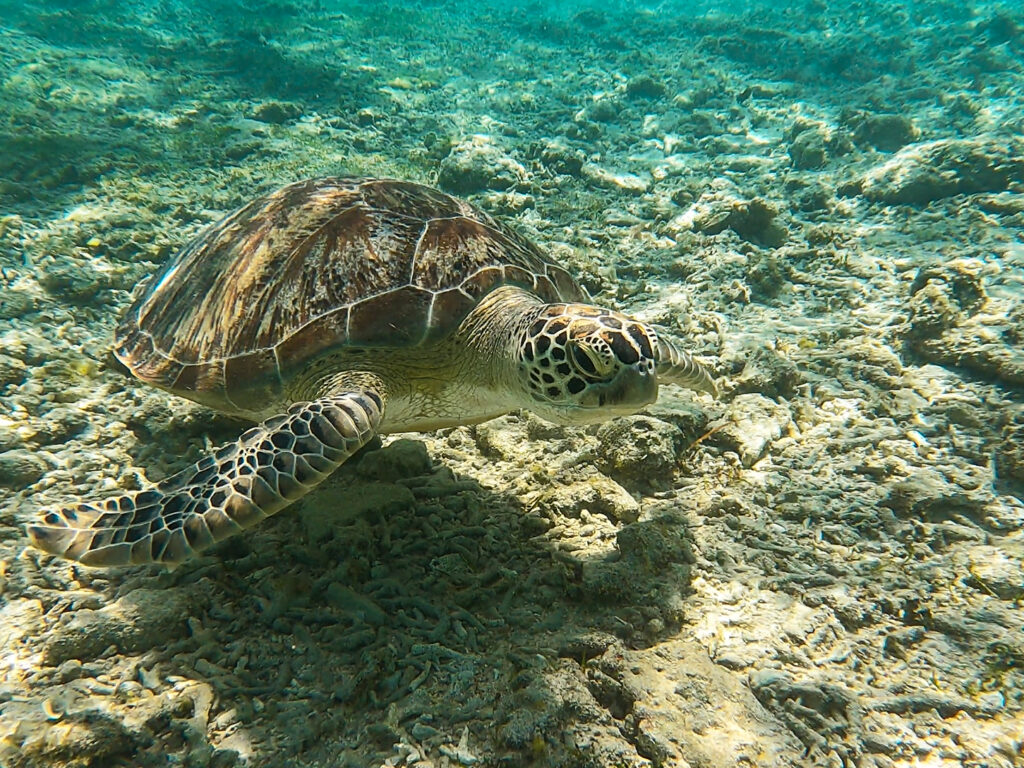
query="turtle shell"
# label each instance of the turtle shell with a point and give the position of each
(313, 267)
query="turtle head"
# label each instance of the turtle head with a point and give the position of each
(582, 364)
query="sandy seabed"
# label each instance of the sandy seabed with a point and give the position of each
(820, 567)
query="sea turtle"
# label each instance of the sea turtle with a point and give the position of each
(335, 309)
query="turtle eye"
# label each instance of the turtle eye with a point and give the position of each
(588, 360)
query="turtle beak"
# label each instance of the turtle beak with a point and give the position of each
(632, 389)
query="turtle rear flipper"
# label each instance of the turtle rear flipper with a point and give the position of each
(268, 468)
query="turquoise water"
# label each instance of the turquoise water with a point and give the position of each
(823, 202)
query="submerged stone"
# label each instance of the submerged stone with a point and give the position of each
(478, 164)
(20, 468)
(646, 86)
(922, 173)
(142, 619)
(640, 451)
(753, 422)
(276, 112)
(885, 132)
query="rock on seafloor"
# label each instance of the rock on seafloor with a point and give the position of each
(19, 468)
(478, 164)
(922, 173)
(750, 424)
(139, 620)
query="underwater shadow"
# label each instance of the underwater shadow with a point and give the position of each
(402, 599)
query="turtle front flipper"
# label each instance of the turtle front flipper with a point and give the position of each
(677, 367)
(268, 468)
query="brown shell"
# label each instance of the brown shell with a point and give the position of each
(317, 266)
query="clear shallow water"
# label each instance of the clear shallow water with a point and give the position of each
(824, 201)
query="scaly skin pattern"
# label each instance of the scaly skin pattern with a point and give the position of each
(269, 467)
